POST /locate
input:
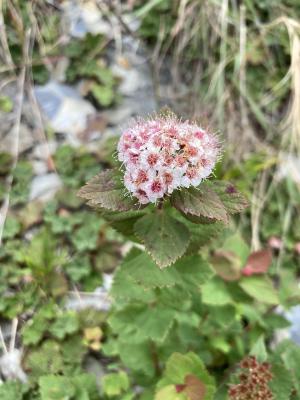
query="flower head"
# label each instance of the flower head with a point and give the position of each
(164, 153)
(254, 379)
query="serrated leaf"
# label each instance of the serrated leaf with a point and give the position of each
(138, 323)
(216, 293)
(194, 389)
(142, 269)
(200, 202)
(56, 388)
(187, 372)
(64, 325)
(12, 390)
(106, 190)
(259, 350)
(258, 262)
(115, 384)
(193, 270)
(137, 357)
(169, 393)
(44, 360)
(86, 387)
(282, 383)
(125, 288)
(226, 264)
(233, 200)
(291, 359)
(164, 237)
(156, 322)
(260, 288)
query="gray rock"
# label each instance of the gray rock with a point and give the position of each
(43, 150)
(10, 366)
(84, 17)
(99, 299)
(64, 109)
(44, 187)
(289, 167)
(39, 167)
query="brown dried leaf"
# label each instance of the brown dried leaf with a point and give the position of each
(258, 262)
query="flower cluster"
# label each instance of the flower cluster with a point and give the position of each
(253, 381)
(162, 154)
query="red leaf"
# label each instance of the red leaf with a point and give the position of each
(258, 262)
(195, 389)
(180, 388)
(227, 265)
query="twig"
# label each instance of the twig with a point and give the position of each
(14, 328)
(16, 134)
(3, 39)
(3, 342)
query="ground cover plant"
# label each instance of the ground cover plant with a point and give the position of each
(166, 266)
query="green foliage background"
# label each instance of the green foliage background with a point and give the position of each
(186, 319)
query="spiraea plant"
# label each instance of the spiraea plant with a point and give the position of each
(183, 302)
(160, 195)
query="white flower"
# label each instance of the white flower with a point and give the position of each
(163, 154)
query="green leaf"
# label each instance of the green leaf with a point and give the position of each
(259, 349)
(179, 370)
(65, 324)
(155, 323)
(237, 245)
(165, 238)
(56, 388)
(282, 383)
(6, 104)
(11, 228)
(169, 393)
(193, 271)
(138, 323)
(12, 390)
(115, 384)
(35, 328)
(226, 264)
(138, 357)
(291, 359)
(44, 360)
(104, 95)
(260, 288)
(200, 202)
(106, 190)
(232, 199)
(126, 289)
(143, 270)
(86, 387)
(216, 293)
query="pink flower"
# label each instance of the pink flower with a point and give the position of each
(163, 154)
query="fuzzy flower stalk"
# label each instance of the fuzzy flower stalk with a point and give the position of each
(163, 153)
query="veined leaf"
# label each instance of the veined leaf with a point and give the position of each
(165, 238)
(143, 270)
(116, 383)
(216, 293)
(260, 288)
(56, 388)
(106, 190)
(233, 200)
(193, 270)
(189, 376)
(200, 202)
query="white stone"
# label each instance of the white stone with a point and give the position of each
(85, 17)
(44, 187)
(10, 366)
(64, 109)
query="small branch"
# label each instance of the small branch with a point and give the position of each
(16, 134)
